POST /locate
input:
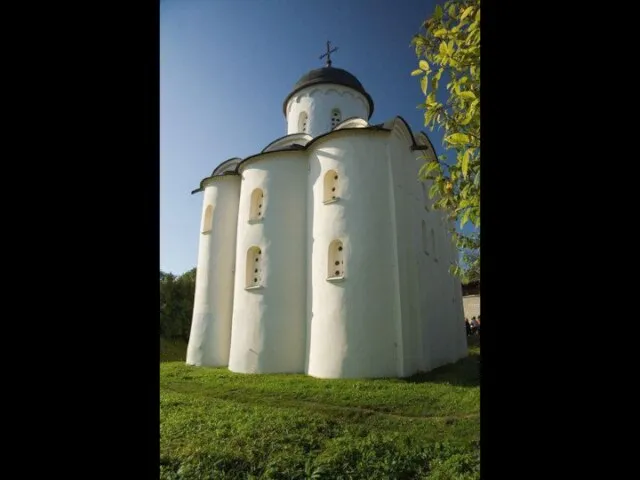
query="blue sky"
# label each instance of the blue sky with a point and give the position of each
(226, 67)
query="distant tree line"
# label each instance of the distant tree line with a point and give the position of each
(176, 304)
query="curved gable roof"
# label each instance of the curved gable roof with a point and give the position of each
(294, 138)
(352, 122)
(421, 141)
(226, 166)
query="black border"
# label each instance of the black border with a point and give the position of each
(533, 223)
(90, 394)
(88, 346)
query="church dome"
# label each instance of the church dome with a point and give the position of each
(329, 75)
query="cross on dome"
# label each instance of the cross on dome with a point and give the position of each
(328, 53)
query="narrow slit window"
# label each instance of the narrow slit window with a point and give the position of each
(207, 219)
(425, 247)
(433, 244)
(335, 264)
(303, 120)
(336, 117)
(254, 267)
(331, 182)
(257, 205)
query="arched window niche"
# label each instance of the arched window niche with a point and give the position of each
(254, 268)
(330, 190)
(336, 118)
(335, 262)
(303, 120)
(256, 209)
(207, 220)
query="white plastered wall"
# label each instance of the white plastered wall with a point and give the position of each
(318, 102)
(269, 322)
(213, 303)
(353, 320)
(443, 336)
(395, 312)
(406, 194)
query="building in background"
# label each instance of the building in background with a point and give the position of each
(471, 299)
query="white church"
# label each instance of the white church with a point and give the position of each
(317, 254)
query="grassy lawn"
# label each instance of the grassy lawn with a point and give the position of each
(215, 424)
(173, 350)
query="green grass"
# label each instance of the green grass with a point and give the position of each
(173, 350)
(215, 424)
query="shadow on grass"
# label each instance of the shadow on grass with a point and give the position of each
(463, 373)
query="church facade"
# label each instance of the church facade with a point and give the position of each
(317, 255)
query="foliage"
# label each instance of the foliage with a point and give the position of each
(471, 266)
(176, 304)
(448, 49)
(218, 424)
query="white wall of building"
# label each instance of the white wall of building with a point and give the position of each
(394, 308)
(213, 302)
(443, 336)
(269, 322)
(408, 207)
(471, 306)
(318, 102)
(353, 324)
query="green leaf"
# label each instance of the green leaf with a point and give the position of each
(416, 72)
(443, 48)
(469, 117)
(426, 168)
(428, 116)
(431, 166)
(468, 95)
(466, 13)
(457, 139)
(465, 164)
(423, 85)
(434, 83)
(418, 41)
(424, 65)
(438, 13)
(433, 190)
(440, 33)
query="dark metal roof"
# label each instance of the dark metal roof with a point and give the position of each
(232, 166)
(226, 166)
(328, 75)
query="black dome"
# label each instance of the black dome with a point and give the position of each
(324, 75)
